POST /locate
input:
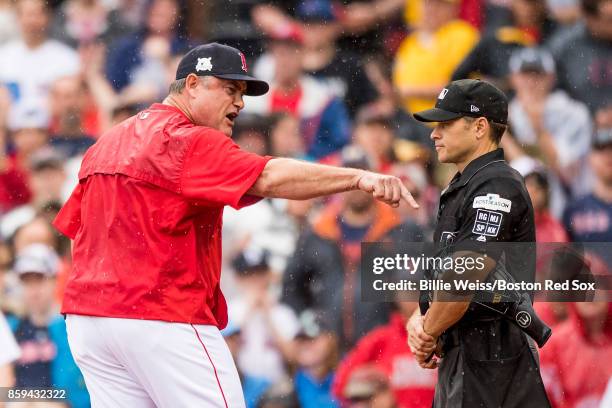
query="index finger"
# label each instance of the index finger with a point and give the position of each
(408, 197)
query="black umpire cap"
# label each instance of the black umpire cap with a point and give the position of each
(221, 61)
(468, 97)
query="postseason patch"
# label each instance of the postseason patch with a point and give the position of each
(492, 202)
(487, 223)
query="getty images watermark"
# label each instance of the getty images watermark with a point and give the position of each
(490, 272)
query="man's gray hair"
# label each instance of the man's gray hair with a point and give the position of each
(177, 86)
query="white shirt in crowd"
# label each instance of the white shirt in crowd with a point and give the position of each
(29, 73)
(9, 350)
(259, 356)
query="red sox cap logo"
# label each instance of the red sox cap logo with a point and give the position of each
(243, 60)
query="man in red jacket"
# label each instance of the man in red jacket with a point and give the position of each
(386, 348)
(143, 302)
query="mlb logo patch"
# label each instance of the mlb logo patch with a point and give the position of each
(487, 223)
(443, 93)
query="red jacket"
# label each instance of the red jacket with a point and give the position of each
(575, 368)
(387, 348)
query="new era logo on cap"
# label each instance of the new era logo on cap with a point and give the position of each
(468, 97)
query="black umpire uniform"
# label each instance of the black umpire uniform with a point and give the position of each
(488, 361)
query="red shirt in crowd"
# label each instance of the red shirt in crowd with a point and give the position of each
(575, 368)
(14, 190)
(387, 347)
(146, 219)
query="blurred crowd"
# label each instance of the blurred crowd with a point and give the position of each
(345, 77)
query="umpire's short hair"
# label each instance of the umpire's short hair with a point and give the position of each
(497, 129)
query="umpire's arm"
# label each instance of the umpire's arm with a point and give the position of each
(298, 180)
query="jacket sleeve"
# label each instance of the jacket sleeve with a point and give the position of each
(364, 352)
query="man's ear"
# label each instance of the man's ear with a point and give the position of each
(482, 127)
(191, 82)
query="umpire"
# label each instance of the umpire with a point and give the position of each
(487, 359)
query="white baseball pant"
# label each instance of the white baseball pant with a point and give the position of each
(149, 363)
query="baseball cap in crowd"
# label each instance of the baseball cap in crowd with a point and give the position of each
(251, 260)
(355, 157)
(221, 61)
(312, 325)
(536, 60)
(602, 138)
(468, 97)
(316, 11)
(46, 158)
(288, 33)
(28, 116)
(37, 258)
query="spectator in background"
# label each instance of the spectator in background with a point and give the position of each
(252, 387)
(375, 136)
(324, 119)
(323, 274)
(342, 71)
(29, 65)
(427, 58)
(589, 218)
(286, 139)
(41, 333)
(9, 352)
(547, 123)
(386, 349)
(78, 22)
(548, 228)
(529, 26)
(576, 363)
(584, 57)
(268, 327)
(47, 182)
(366, 25)
(316, 357)
(141, 57)
(14, 190)
(9, 30)
(74, 121)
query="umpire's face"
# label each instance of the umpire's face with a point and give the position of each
(457, 140)
(215, 102)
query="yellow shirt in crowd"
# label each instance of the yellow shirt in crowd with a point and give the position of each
(420, 63)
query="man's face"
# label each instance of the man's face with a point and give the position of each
(38, 292)
(601, 163)
(287, 60)
(601, 24)
(67, 96)
(375, 139)
(162, 16)
(33, 18)
(529, 85)
(216, 102)
(454, 140)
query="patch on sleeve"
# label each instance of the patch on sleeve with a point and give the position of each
(492, 202)
(487, 223)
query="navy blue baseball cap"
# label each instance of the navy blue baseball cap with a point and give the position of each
(221, 61)
(468, 97)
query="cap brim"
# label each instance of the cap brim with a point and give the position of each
(436, 115)
(255, 87)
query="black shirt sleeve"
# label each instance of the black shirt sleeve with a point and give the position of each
(494, 210)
